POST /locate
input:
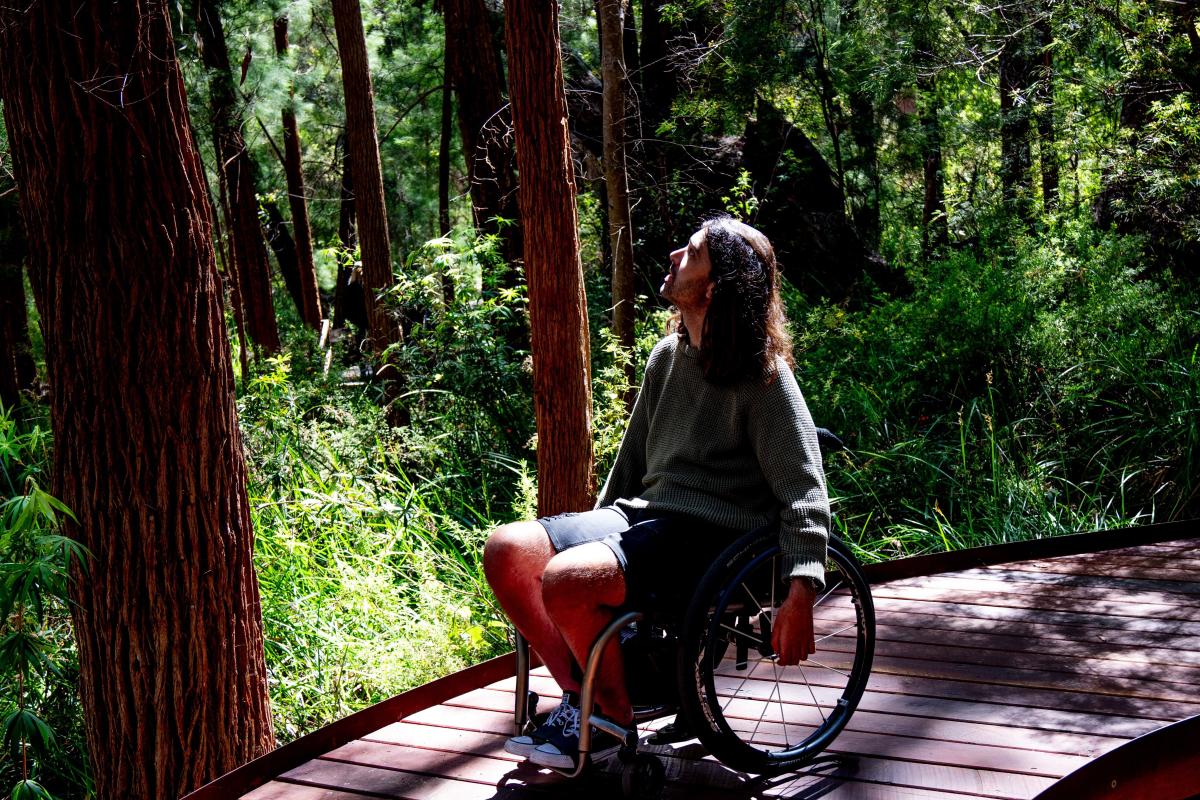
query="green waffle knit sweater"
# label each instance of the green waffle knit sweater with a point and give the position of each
(739, 456)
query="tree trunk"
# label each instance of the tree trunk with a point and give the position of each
(659, 228)
(1047, 145)
(362, 138)
(310, 298)
(934, 225)
(1016, 84)
(147, 449)
(444, 151)
(620, 227)
(17, 369)
(284, 247)
(557, 306)
(476, 71)
(348, 304)
(447, 132)
(237, 173)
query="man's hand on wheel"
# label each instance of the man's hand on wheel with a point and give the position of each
(792, 636)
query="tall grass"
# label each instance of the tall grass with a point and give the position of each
(368, 560)
(1050, 391)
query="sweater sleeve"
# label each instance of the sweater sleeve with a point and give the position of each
(785, 441)
(629, 469)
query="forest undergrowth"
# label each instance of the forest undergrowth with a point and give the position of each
(1038, 386)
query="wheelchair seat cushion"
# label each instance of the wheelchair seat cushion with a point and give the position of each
(662, 555)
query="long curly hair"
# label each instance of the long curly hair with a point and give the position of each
(745, 327)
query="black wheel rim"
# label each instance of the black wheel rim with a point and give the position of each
(763, 719)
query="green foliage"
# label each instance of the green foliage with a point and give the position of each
(1051, 392)
(38, 662)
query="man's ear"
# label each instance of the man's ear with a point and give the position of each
(708, 293)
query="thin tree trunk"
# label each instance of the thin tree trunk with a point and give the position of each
(620, 227)
(17, 369)
(284, 247)
(237, 173)
(447, 132)
(1016, 155)
(934, 224)
(659, 87)
(444, 155)
(363, 145)
(477, 73)
(310, 298)
(1047, 144)
(347, 296)
(557, 306)
(147, 448)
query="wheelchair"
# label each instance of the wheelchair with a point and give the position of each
(715, 669)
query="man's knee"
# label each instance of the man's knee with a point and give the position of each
(514, 551)
(582, 577)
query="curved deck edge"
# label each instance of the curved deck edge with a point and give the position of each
(1050, 547)
(1163, 765)
(255, 773)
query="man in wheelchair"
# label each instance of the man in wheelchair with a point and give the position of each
(720, 441)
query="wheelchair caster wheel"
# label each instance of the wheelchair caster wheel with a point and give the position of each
(642, 777)
(531, 705)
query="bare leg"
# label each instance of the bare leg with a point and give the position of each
(514, 559)
(581, 589)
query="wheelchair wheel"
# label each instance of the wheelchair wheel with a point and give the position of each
(751, 713)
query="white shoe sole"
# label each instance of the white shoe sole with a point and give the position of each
(523, 749)
(547, 755)
(551, 758)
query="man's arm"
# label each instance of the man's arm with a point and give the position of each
(792, 637)
(629, 468)
(785, 441)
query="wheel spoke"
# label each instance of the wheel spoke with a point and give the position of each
(839, 631)
(826, 666)
(828, 592)
(775, 691)
(813, 695)
(757, 640)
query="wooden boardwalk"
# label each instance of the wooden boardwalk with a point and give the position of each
(991, 682)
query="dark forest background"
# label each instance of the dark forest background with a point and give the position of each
(987, 216)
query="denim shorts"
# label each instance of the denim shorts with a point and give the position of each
(663, 555)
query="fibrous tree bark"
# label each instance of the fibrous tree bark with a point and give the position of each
(238, 182)
(476, 72)
(620, 227)
(446, 134)
(17, 369)
(1047, 145)
(934, 224)
(1016, 84)
(362, 145)
(557, 306)
(310, 299)
(147, 448)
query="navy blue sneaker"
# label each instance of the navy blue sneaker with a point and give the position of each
(561, 748)
(526, 743)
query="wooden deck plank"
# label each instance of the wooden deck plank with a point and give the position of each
(1166, 630)
(896, 722)
(278, 790)
(990, 713)
(970, 636)
(988, 682)
(1025, 627)
(389, 783)
(1049, 598)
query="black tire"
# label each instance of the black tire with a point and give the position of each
(800, 709)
